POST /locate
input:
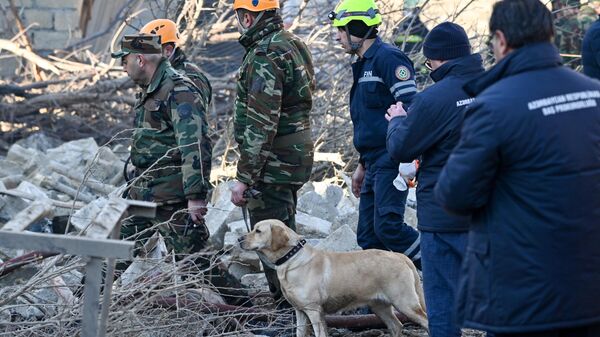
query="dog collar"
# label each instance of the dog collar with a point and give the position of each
(291, 253)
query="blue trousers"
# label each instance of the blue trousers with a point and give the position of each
(442, 255)
(381, 215)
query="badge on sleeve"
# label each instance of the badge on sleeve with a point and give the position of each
(402, 73)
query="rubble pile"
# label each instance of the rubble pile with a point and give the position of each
(78, 177)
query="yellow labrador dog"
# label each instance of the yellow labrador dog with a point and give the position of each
(317, 282)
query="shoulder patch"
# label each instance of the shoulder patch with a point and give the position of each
(402, 73)
(185, 111)
(258, 85)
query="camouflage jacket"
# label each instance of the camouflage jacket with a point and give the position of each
(180, 63)
(170, 143)
(272, 107)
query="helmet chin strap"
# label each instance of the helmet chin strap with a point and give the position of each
(170, 58)
(242, 29)
(355, 46)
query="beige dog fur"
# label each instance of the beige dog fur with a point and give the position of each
(317, 282)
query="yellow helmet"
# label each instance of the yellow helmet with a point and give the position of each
(256, 5)
(165, 28)
(348, 10)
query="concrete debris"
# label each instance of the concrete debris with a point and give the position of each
(238, 269)
(10, 206)
(346, 206)
(316, 205)
(25, 313)
(219, 211)
(44, 169)
(57, 291)
(83, 217)
(39, 141)
(29, 160)
(204, 295)
(10, 168)
(347, 213)
(107, 167)
(310, 225)
(256, 281)
(12, 181)
(146, 265)
(76, 154)
(332, 193)
(31, 189)
(342, 240)
(307, 187)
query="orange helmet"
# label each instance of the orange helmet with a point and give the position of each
(256, 5)
(166, 28)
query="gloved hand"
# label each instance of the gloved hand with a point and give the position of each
(406, 175)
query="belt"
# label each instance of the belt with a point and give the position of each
(156, 172)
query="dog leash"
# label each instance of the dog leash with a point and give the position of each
(249, 193)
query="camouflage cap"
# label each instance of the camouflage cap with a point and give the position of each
(138, 44)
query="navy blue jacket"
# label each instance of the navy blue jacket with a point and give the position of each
(431, 131)
(527, 168)
(382, 77)
(590, 51)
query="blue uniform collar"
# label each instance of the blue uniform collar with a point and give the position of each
(373, 49)
(533, 56)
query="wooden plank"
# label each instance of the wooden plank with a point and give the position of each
(142, 209)
(61, 204)
(66, 244)
(54, 182)
(108, 285)
(35, 211)
(91, 297)
(104, 223)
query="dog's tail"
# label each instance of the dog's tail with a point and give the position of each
(418, 286)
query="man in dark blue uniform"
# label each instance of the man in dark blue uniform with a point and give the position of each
(527, 169)
(383, 75)
(590, 49)
(430, 131)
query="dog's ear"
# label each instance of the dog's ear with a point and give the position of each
(279, 238)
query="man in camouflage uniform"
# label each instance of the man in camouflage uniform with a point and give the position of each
(271, 119)
(410, 33)
(170, 147)
(569, 30)
(590, 49)
(169, 37)
(588, 14)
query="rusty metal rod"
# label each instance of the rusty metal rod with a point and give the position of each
(333, 321)
(23, 260)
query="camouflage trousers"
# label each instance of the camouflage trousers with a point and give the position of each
(170, 222)
(276, 202)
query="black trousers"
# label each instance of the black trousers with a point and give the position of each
(584, 331)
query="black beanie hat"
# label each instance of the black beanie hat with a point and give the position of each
(446, 41)
(360, 29)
